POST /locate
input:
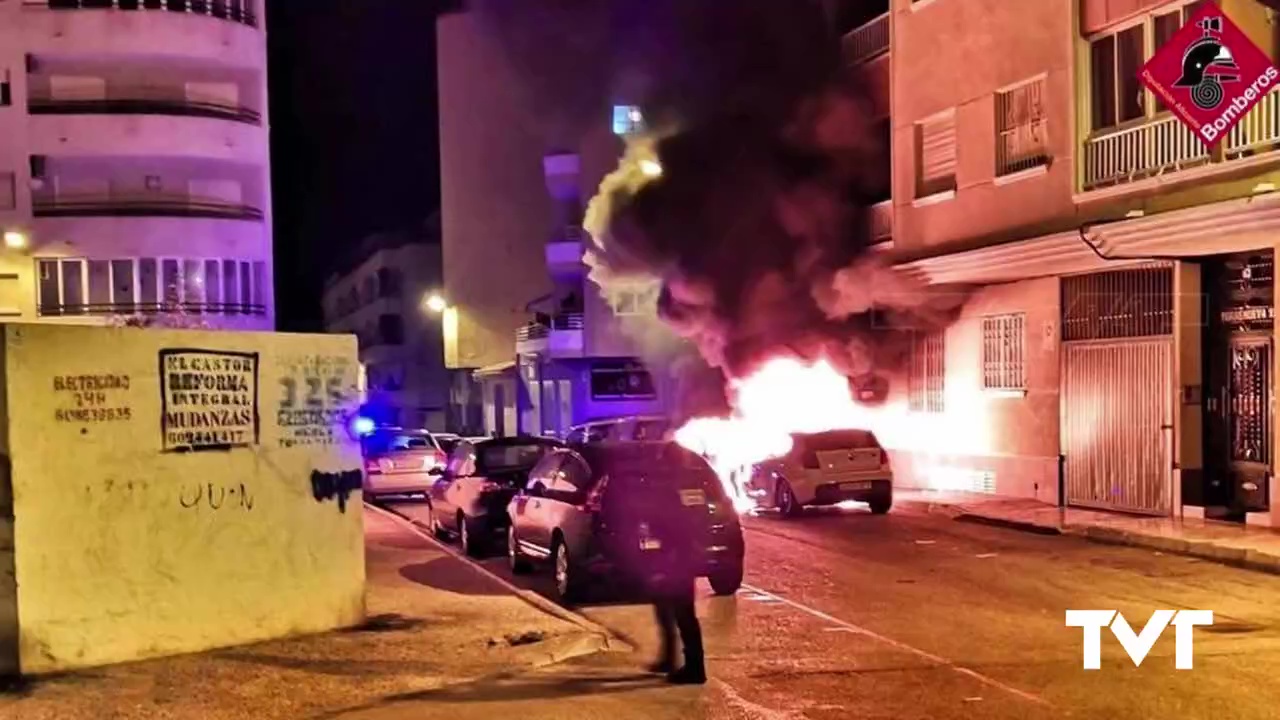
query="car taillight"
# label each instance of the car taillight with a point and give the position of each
(371, 466)
(810, 459)
(438, 460)
(884, 457)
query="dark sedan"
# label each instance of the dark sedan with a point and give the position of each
(469, 501)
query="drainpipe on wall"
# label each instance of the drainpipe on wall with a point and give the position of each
(542, 398)
(1062, 481)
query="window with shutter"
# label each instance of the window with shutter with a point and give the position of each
(1022, 138)
(936, 154)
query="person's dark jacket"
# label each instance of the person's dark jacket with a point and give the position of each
(657, 514)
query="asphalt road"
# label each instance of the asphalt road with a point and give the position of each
(910, 615)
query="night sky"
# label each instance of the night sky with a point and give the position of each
(354, 134)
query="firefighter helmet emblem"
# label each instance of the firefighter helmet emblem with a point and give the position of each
(1206, 64)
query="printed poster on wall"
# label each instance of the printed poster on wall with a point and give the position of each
(209, 399)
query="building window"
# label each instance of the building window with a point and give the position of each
(390, 282)
(8, 191)
(391, 329)
(126, 286)
(1022, 139)
(6, 88)
(634, 302)
(1004, 352)
(1115, 62)
(936, 154)
(621, 381)
(927, 376)
(627, 120)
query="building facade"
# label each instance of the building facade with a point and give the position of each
(134, 168)
(389, 300)
(544, 348)
(1119, 350)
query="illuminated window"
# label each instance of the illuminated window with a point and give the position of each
(927, 378)
(1004, 352)
(936, 154)
(6, 89)
(1022, 129)
(125, 286)
(627, 120)
(621, 380)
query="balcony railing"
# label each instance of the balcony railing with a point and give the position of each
(539, 331)
(866, 41)
(127, 309)
(1167, 145)
(142, 106)
(881, 218)
(143, 207)
(240, 11)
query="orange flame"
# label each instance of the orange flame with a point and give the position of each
(784, 396)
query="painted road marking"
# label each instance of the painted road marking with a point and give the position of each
(901, 646)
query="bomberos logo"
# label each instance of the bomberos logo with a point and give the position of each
(1210, 74)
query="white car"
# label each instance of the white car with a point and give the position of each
(400, 462)
(826, 469)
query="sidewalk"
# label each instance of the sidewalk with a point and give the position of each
(433, 621)
(1227, 543)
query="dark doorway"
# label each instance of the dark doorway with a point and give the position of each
(1239, 386)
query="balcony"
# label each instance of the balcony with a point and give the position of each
(142, 206)
(880, 216)
(1165, 145)
(866, 41)
(141, 106)
(562, 337)
(240, 11)
(564, 251)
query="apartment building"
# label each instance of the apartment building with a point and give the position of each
(134, 170)
(389, 298)
(1119, 352)
(542, 345)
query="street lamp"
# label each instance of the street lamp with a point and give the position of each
(651, 168)
(15, 240)
(436, 304)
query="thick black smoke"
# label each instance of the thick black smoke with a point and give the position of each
(756, 225)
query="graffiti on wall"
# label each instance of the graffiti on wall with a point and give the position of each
(338, 486)
(215, 496)
(86, 399)
(209, 399)
(317, 395)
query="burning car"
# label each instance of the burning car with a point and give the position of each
(825, 468)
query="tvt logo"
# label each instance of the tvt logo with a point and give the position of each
(1140, 644)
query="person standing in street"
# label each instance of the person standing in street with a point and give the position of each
(668, 541)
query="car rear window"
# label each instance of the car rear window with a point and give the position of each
(382, 442)
(506, 457)
(836, 440)
(665, 461)
(651, 429)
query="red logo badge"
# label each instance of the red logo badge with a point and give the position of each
(1210, 74)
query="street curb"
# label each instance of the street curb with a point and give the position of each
(1244, 558)
(607, 637)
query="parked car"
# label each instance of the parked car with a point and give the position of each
(469, 501)
(641, 428)
(826, 469)
(447, 441)
(573, 513)
(400, 462)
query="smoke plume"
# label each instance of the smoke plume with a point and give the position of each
(755, 229)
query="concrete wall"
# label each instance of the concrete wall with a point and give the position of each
(131, 543)
(996, 441)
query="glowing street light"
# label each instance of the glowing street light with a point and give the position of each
(436, 304)
(651, 168)
(15, 240)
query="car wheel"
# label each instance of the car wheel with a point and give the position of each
(471, 544)
(786, 500)
(516, 559)
(568, 587)
(881, 502)
(726, 581)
